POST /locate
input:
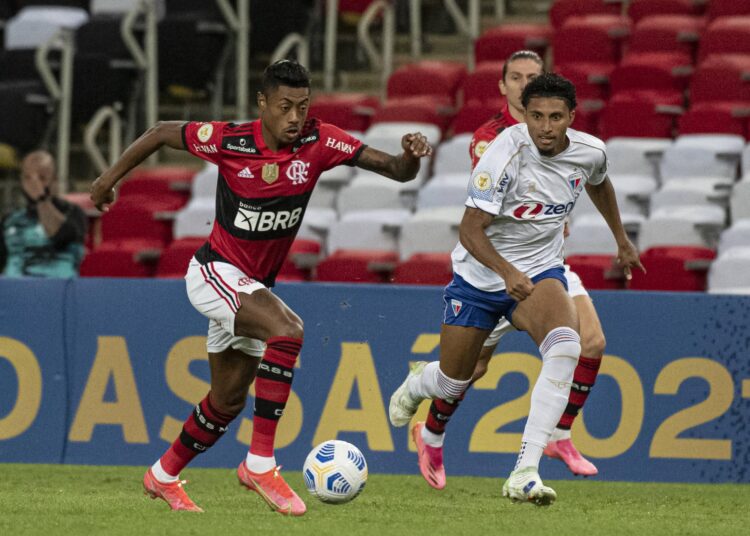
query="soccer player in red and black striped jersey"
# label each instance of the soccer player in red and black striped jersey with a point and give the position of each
(267, 171)
(519, 69)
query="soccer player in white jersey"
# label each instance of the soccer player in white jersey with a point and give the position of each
(509, 262)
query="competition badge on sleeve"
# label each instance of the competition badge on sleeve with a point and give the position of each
(270, 172)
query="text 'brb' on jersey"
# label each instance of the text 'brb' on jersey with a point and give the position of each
(261, 195)
(529, 196)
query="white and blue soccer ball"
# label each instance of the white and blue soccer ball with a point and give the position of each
(335, 471)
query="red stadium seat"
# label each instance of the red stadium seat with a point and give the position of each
(174, 260)
(642, 76)
(118, 259)
(357, 266)
(434, 110)
(722, 78)
(591, 79)
(667, 33)
(639, 9)
(126, 221)
(596, 271)
(483, 84)
(349, 111)
(84, 202)
(181, 177)
(436, 78)
(424, 269)
(725, 35)
(496, 44)
(673, 268)
(561, 10)
(591, 39)
(727, 8)
(588, 118)
(303, 256)
(472, 115)
(715, 118)
(636, 118)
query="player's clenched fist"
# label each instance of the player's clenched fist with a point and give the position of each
(518, 285)
(102, 194)
(416, 145)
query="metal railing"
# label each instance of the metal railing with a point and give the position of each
(290, 42)
(61, 92)
(104, 115)
(382, 62)
(468, 24)
(239, 22)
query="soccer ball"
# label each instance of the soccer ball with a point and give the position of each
(335, 471)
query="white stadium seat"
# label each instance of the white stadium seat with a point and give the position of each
(635, 156)
(368, 196)
(739, 202)
(433, 230)
(204, 182)
(737, 235)
(453, 155)
(196, 219)
(34, 26)
(445, 194)
(730, 272)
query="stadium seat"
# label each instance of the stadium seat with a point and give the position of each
(303, 255)
(700, 155)
(720, 79)
(436, 111)
(693, 225)
(358, 197)
(472, 115)
(356, 266)
(635, 118)
(136, 220)
(590, 236)
(725, 35)
(667, 33)
(680, 192)
(483, 84)
(497, 43)
(730, 272)
(117, 259)
(714, 118)
(739, 202)
(727, 8)
(442, 194)
(659, 80)
(433, 230)
(174, 259)
(635, 156)
(424, 269)
(204, 182)
(561, 10)
(736, 235)
(367, 230)
(596, 271)
(452, 156)
(639, 9)
(35, 25)
(196, 219)
(348, 111)
(590, 39)
(433, 78)
(673, 268)
(590, 79)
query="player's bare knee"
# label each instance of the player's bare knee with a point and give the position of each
(229, 403)
(292, 328)
(593, 345)
(479, 370)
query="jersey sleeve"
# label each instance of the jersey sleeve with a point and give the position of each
(479, 142)
(493, 174)
(600, 169)
(204, 139)
(338, 147)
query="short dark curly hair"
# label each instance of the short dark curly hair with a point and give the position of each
(550, 85)
(284, 73)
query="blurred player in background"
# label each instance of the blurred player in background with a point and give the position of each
(267, 171)
(509, 263)
(518, 70)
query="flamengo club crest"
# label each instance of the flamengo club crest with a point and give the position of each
(270, 172)
(297, 171)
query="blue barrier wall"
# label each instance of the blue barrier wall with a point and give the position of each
(105, 371)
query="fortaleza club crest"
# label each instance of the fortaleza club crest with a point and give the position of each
(297, 171)
(456, 306)
(575, 181)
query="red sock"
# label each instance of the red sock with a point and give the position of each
(201, 430)
(272, 387)
(440, 413)
(583, 380)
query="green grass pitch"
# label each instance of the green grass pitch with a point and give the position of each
(77, 500)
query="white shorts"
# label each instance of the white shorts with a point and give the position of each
(214, 290)
(575, 288)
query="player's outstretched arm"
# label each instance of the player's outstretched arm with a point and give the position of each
(603, 197)
(402, 168)
(167, 133)
(472, 236)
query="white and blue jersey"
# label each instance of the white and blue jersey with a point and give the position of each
(530, 195)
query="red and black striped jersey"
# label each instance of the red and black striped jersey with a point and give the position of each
(488, 132)
(261, 195)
